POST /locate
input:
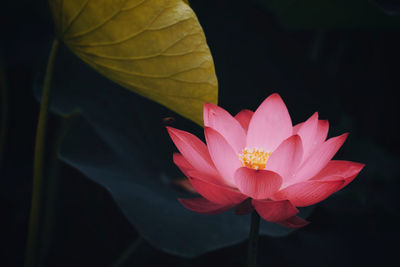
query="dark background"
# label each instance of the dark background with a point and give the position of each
(347, 72)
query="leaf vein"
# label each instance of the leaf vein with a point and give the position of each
(147, 75)
(79, 34)
(75, 17)
(132, 7)
(161, 53)
(145, 29)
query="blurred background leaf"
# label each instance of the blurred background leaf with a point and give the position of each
(130, 155)
(391, 7)
(155, 48)
(329, 14)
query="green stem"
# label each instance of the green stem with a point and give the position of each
(33, 245)
(4, 112)
(128, 252)
(253, 240)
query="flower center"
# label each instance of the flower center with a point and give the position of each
(255, 158)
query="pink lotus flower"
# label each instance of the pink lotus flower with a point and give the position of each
(258, 160)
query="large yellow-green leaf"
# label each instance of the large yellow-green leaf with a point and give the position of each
(155, 48)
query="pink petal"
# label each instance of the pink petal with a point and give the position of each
(319, 137)
(313, 133)
(340, 168)
(307, 131)
(213, 192)
(202, 205)
(186, 168)
(294, 222)
(257, 184)
(222, 154)
(286, 158)
(221, 121)
(275, 211)
(270, 124)
(322, 131)
(309, 192)
(297, 127)
(244, 208)
(310, 121)
(244, 117)
(193, 150)
(318, 160)
(182, 163)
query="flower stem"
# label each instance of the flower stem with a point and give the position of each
(253, 240)
(33, 243)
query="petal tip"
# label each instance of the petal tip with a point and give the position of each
(171, 130)
(343, 137)
(275, 95)
(207, 106)
(177, 158)
(294, 222)
(359, 166)
(323, 124)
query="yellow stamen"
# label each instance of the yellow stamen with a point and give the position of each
(255, 158)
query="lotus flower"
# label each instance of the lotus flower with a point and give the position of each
(258, 160)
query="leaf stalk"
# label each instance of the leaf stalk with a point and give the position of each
(33, 242)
